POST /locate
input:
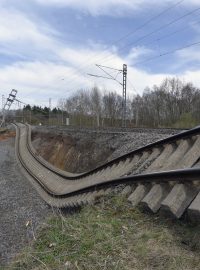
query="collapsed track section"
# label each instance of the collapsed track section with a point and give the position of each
(163, 176)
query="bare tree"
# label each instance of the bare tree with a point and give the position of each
(96, 104)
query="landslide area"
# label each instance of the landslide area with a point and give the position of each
(78, 151)
(72, 152)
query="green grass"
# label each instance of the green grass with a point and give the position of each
(186, 121)
(112, 235)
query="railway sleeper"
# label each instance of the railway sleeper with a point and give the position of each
(178, 200)
(139, 193)
(193, 210)
(152, 201)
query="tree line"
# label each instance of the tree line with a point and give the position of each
(171, 104)
(38, 114)
(42, 110)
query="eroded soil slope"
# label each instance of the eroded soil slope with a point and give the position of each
(6, 134)
(82, 150)
(71, 153)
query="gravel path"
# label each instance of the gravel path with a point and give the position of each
(19, 205)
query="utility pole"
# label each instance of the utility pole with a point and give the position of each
(30, 117)
(123, 84)
(11, 98)
(49, 110)
(124, 96)
(21, 107)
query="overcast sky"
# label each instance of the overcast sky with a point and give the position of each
(47, 47)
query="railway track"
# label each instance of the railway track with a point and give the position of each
(110, 130)
(162, 176)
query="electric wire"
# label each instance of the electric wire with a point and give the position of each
(160, 28)
(80, 70)
(168, 53)
(148, 21)
(133, 87)
(155, 31)
(171, 34)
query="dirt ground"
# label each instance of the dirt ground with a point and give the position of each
(7, 134)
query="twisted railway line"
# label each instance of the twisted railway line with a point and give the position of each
(163, 176)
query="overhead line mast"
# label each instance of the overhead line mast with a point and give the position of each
(123, 84)
(82, 67)
(7, 105)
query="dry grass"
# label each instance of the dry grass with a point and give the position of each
(112, 235)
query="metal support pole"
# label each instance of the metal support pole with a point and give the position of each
(49, 110)
(124, 95)
(124, 85)
(7, 105)
(30, 117)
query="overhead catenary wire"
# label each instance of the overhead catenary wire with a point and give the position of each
(171, 34)
(143, 25)
(80, 69)
(133, 87)
(169, 52)
(111, 77)
(148, 21)
(155, 31)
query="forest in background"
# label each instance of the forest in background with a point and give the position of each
(172, 104)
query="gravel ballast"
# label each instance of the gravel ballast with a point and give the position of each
(21, 208)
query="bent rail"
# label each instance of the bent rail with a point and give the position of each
(167, 168)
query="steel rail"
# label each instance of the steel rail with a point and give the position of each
(184, 175)
(21, 162)
(148, 147)
(116, 129)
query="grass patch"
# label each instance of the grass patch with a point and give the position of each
(112, 235)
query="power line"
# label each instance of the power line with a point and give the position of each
(175, 32)
(147, 22)
(169, 52)
(133, 86)
(123, 84)
(111, 77)
(171, 34)
(155, 31)
(131, 32)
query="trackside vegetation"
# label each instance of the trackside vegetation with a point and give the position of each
(112, 235)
